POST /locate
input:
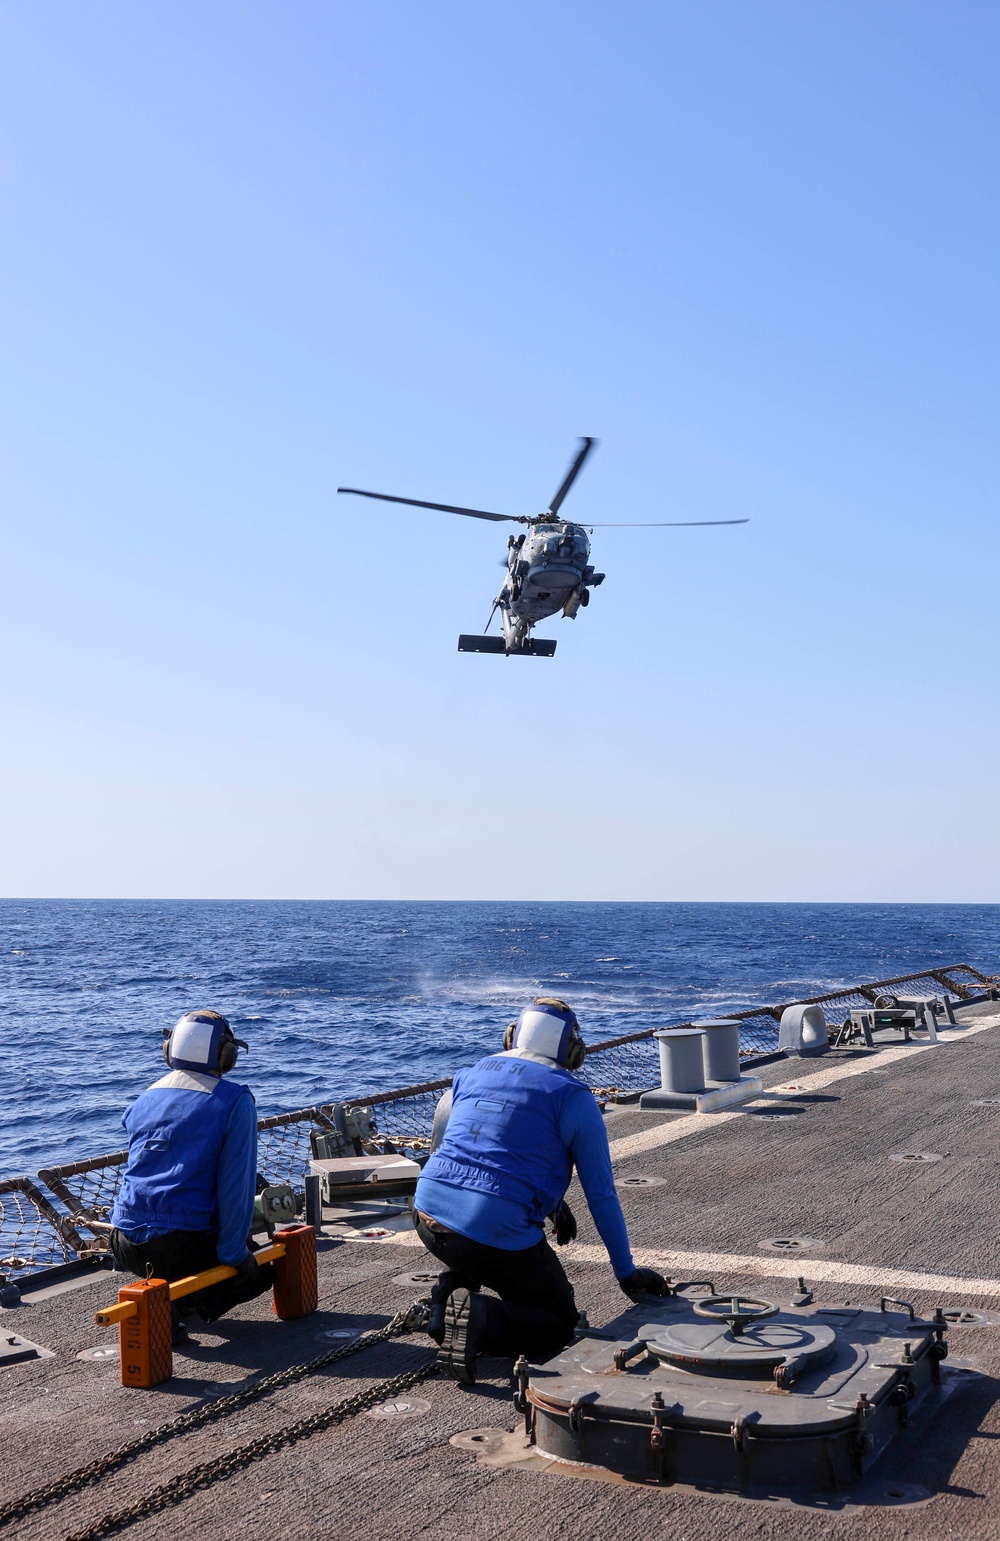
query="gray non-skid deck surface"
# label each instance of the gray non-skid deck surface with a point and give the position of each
(822, 1170)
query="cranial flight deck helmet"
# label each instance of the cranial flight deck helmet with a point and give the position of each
(202, 1041)
(548, 1027)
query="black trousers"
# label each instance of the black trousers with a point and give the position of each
(179, 1254)
(536, 1313)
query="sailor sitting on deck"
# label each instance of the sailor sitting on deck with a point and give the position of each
(518, 1123)
(186, 1200)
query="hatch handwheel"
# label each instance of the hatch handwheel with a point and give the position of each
(737, 1310)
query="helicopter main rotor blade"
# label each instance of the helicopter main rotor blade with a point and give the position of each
(667, 524)
(444, 508)
(586, 445)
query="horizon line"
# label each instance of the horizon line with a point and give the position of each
(263, 899)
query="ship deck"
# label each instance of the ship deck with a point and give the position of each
(809, 1158)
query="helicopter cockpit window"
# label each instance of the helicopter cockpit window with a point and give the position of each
(567, 547)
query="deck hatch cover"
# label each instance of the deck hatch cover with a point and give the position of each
(810, 1396)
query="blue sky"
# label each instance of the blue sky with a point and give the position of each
(249, 252)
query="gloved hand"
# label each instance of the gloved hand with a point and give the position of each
(564, 1221)
(644, 1280)
(247, 1271)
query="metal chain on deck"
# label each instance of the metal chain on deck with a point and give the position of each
(74, 1481)
(203, 1475)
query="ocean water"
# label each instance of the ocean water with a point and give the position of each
(337, 999)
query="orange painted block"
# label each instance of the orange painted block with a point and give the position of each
(295, 1290)
(147, 1355)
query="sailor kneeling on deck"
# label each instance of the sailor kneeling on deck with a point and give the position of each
(186, 1200)
(517, 1124)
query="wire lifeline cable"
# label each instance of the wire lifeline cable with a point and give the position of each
(102, 1466)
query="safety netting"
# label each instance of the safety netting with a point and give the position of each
(87, 1190)
(33, 1234)
(283, 1149)
(39, 1230)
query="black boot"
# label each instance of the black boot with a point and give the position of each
(435, 1321)
(182, 1318)
(448, 1281)
(464, 1325)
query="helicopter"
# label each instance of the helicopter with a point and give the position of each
(548, 566)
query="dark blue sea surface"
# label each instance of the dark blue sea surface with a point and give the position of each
(338, 999)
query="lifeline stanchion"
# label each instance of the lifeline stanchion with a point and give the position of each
(143, 1310)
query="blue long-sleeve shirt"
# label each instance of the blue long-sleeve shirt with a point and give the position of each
(503, 1223)
(237, 1179)
(235, 1171)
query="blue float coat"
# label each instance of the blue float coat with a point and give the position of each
(516, 1130)
(192, 1162)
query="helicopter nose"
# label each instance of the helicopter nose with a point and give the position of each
(552, 576)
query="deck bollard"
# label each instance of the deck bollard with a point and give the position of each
(721, 1048)
(144, 1336)
(296, 1289)
(682, 1065)
(690, 1056)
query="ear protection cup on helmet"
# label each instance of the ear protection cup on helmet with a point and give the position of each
(228, 1053)
(576, 1051)
(508, 1035)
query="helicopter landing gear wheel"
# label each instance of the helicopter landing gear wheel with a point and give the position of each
(585, 597)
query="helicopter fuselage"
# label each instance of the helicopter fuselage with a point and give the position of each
(548, 570)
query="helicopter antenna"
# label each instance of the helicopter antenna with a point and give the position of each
(586, 445)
